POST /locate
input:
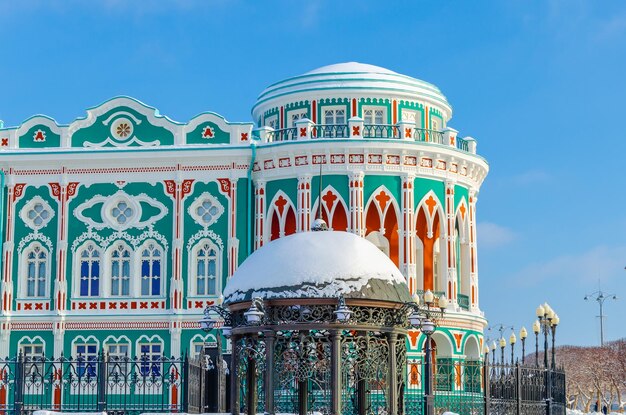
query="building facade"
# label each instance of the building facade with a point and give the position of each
(119, 228)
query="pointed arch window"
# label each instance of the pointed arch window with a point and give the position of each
(206, 267)
(89, 271)
(120, 270)
(36, 264)
(151, 260)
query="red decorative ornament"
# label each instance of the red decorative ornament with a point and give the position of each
(39, 136)
(208, 133)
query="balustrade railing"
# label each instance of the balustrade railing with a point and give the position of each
(371, 131)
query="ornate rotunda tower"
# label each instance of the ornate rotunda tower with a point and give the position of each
(393, 172)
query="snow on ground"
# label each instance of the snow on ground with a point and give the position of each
(577, 412)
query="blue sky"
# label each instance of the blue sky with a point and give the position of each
(540, 84)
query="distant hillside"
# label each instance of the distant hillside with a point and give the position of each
(594, 374)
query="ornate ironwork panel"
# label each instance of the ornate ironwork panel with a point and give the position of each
(364, 364)
(251, 352)
(302, 372)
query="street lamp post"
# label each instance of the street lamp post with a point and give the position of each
(548, 320)
(493, 352)
(555, 322)
(536, 330)
(601, 297)
(502, 346)
(424, 319)
(522, 335)
(512, 340)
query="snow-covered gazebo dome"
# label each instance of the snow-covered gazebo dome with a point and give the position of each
(318, 265)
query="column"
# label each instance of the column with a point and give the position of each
(270, 339)
(304, 203)
(357, 223)
(335, 372)
(229, 188)
(175, 338)
(392, 405)
(259, 215)
(63, 192)
(473, 250)
(14, 193)
(408, 231)
(234, 377)
(451, 285)
(177, 189)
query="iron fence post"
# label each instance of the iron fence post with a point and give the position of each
(548, 391)
(487, 386)
(18, 391)
(518, 388)
(101, 382)
(186, 385)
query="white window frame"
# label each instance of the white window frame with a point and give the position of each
(89, 360)
(109, 270)
(33, 361)
(296, 115)
(139, 269)
(272, 122)
(152, 356)
(374, 108)
(193, 267)
(24, 268)
(78, 266)
(334, 108)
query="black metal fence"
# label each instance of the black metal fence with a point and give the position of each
(159, 384)
(93, 383)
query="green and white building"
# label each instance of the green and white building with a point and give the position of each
(120, 227)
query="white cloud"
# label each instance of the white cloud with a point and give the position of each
(491, 235)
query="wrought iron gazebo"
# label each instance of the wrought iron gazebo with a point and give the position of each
(318, 323)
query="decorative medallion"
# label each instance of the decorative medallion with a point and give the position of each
(119, 211)
(122, 128)
(206, 209)
(36, 213)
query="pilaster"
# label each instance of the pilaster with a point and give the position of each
(473, 198)
(304, 203)
(14, 192)
(357, 223)
(259, 215)
(408, 230)
(451, 283)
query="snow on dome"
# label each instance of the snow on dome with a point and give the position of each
(350, 67)
(317, 265)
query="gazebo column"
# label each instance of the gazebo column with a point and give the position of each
(251, 383)
(270, 339)
(335, 372)
(392, 338)
(234, 376)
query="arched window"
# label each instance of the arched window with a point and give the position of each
(89, 259)
(151, 256)
(36, 264)
(120, 270)
(206, 268)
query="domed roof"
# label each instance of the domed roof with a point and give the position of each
(350, 79)
(348, 67)
(323, 264)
